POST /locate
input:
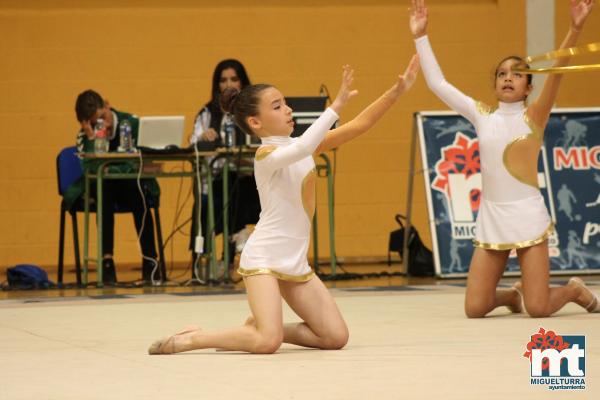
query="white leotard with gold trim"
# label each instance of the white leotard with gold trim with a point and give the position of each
(285, 178)
(512, 213)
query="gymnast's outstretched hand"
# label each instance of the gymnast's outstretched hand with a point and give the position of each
(407, 79)
(580, 10)
(418, 18)
(345, 93)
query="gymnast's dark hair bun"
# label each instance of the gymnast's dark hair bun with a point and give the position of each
(228, 99)
(243, 104)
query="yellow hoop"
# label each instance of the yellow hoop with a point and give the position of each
(561, 53)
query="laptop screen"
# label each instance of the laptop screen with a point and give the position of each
(305, 111)
(159, 132)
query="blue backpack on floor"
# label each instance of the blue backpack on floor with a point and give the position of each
(27, 276)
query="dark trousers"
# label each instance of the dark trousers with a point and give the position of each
(124, 196)
(243, 207)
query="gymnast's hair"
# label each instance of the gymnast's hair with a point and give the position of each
(520, 62)
(243, 104)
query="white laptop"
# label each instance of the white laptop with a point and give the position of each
(252, 140)
(159, 132)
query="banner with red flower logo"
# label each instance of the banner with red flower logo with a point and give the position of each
(568, 173)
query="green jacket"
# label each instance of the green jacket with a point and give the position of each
(85, 145)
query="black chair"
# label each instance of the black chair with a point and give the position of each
(68, 171)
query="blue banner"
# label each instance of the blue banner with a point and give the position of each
(569, 180)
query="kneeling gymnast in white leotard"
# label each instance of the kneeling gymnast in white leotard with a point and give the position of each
(274, 260)
(512, 214)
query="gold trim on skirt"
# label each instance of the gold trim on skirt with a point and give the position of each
(517, 245)
(284, 277)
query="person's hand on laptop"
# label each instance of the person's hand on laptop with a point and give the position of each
(209, 135)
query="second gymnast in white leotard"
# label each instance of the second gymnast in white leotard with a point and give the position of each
(512, 214)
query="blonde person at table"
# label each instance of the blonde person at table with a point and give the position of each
(209, 126)
(512, 214)
(274, 261)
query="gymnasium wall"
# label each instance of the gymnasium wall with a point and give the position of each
(156, 58)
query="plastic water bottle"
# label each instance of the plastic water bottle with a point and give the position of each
(100, 137)
(228, 130)
(125, 140)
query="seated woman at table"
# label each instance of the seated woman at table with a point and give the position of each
(89, 108)
(211, 125)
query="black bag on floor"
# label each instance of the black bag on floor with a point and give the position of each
(420, 258)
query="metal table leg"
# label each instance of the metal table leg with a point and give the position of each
(86, 226)
(226, 219)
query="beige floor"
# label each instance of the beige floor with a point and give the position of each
(405, 344)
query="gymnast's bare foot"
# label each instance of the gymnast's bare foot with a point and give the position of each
(586, 299)
(517, 305)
